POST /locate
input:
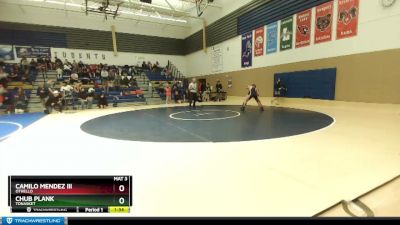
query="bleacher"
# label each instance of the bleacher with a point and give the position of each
(156, 76)
(125, 95)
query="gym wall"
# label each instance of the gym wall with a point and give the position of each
(369, 77)
(368, 64)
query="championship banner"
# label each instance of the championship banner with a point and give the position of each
(323, 22)
(303, 31)
(247, 49)
(259, 41)
(286, 34)
(272, 38)
(347, 24)
(6, 52)
(33, 52)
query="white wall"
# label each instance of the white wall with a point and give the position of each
(123, 58)
(51, 17)
(379, 29)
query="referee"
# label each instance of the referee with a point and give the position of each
(193, 93)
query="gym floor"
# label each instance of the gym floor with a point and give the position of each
(350, 150)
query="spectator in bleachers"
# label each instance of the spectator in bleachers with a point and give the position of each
(9, 100)
(3, 77)
(59, 73)
(3, 91)
(42, 92)
(67, 69)
(80, 64)
(156, 67)
(74, 78)
(117, 81)
(49, 64)
(41, 65)
(55, 101)
(84, 75)
(144, 65)
(83, 98)
(21, 100)
(14, 76)
(66, 89)
(33, 64)
(24, 61)
(102, 102)
(58, 62)
(104, 74)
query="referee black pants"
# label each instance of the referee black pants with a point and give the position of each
(192, 99)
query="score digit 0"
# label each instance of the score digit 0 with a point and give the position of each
(121, 200)
(121, 188)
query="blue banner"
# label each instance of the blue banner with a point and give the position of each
(247, 49)
(32, 220)
(272, 38)
(33, 52)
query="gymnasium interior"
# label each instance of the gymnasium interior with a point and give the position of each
(156, 91)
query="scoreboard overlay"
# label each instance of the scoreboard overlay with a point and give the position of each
(70, 194)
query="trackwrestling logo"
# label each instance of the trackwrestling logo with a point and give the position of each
(33, 220)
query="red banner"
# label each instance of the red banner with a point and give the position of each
(347, 24)
(259, 40)
(323, 22)
(303, 31)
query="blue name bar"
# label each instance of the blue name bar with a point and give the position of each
(32, 220)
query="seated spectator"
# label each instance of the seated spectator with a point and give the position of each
(102, 102)
(156, 67)
(33, 64)
(9, 100)
(42, 92)
(3, 77)
(125, 81)
(83, 98)
(49, 64)
(3, 91)
(21, 100)
(24, 63)
(54, 101)
(164, 72)
(74, 78)
(59, 73)
(67, 68)
(75, 65)
(14, 76)
(144, 65)
(104, 74)
(58, 62)
(85, 76)
(66, 89)
(80, 64)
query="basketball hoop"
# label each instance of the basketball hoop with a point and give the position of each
(201, 5)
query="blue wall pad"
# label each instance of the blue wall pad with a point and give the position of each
(315, 84)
